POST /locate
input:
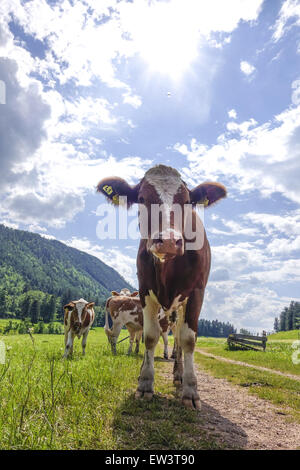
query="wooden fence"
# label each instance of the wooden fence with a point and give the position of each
(248, 341)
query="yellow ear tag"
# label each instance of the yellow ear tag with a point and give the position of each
(107, 189)
(206, 202)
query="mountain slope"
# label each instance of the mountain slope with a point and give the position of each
(31, 261)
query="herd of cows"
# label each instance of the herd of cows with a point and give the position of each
(172, 277)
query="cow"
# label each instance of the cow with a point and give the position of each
(173, 264)
(125, 310)
(78, 318)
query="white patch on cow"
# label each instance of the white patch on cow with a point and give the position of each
(80, 304)
(166, 182)
(125, 292)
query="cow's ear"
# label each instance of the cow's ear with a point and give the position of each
(90, 304)
(207, 193)
(113, 188)
(69, 306)
(113, 292)
(134, 294)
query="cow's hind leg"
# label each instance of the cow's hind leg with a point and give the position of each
(164, 335)
(113, 336)
(151, 334)
(131, 339)
(138, 337)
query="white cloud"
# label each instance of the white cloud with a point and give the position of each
(232, 114)
(134, 100)
(250, 153)
(289, 16)
(246, 67)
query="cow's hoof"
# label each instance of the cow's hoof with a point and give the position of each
(147, 395)
(177, 383)
(192, 404)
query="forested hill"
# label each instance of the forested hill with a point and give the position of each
(31, 262)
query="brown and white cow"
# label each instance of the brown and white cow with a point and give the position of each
(126, 310)
(171, 274)
(78, 319)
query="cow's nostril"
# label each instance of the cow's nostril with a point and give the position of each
(179, 243)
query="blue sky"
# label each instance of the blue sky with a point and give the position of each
(212, 88)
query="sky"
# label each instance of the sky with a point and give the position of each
(91, 88)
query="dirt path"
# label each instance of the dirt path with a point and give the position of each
(237, 419)
(245, 364)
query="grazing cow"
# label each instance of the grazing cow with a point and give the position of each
(78, 319)
(173, 265)
(125, 309)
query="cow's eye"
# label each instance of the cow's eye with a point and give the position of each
(141, 200)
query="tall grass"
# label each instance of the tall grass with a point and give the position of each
(88, 402)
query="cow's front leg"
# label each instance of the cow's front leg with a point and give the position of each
(187, 340)
(69, 343)
(83, 343)
(190, 396)
(178, 367)
(151, 336)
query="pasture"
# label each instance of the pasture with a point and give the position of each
(88, 402)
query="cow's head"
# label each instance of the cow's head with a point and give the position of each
(163, 187)
(124, 293)
(79, 310)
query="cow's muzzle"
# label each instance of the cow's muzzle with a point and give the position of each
(167, 245)
(77, 326)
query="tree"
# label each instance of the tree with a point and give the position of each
(25, 307)
(283, 316)
(51, 309)
(276, 325)
(3, 303)
(35, 311)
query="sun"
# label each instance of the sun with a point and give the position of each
(165, 38)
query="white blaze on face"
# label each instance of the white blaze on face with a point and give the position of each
(125, 291)
(80, 304)
(166, 182)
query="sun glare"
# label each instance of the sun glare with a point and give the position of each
(165, 39)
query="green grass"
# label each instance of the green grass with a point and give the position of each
(276, 389)
(291, 335)
(86, 402)
(278, 355)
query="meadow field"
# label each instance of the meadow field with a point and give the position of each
(88, 402)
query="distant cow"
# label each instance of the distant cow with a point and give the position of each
(125, 310)
(78, 319)
(173, 264)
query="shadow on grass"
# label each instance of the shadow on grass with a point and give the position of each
(164, 424)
